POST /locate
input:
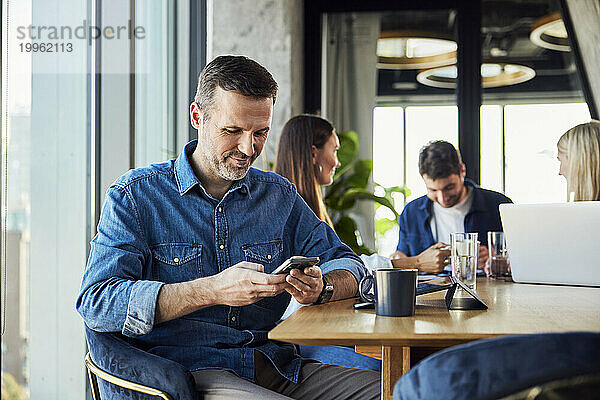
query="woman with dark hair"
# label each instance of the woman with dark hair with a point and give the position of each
(307, 157)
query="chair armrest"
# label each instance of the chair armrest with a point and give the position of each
(113, 354)
(96, 372)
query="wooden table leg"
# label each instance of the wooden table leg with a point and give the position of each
(395, 361)
(370, 351)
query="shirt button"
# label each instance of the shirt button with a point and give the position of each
(221, 247)
(220, 209)
(176, 260)
(233, 319)
(268, 256)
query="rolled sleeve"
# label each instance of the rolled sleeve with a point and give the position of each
(116, 292)
(354, 267)
(141, 308)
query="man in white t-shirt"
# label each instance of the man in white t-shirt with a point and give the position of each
(453, 204)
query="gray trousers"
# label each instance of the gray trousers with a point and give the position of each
(317, 381)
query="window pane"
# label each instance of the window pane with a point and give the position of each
(154, 84)
(424, 124)
(45, 128)
(388, 146)
(531, 135)
(15, 350)
(491, 148)
(388, 166)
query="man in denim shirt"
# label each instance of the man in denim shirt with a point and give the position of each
(185, 249)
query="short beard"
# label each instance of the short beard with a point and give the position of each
(456, 199)
(454, 202)
(227, 172)
(219, 165)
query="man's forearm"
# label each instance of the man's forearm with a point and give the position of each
(178, 299)
(344, 284)
(404, 261)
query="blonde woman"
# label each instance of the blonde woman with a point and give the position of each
(579, 156)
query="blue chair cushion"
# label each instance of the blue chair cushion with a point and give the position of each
(118, 355)
(490, 369)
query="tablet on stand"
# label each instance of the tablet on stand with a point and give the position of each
(463, 303)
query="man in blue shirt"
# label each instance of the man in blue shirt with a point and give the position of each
(185, 249)
(452, 204)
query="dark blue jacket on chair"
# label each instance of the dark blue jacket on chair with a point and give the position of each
(113, 353)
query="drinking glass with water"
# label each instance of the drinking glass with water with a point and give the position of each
(464, 257)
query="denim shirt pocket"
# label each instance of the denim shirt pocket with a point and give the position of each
(266, 253)
(176, 262)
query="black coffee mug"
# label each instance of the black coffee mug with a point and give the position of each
(394, 291)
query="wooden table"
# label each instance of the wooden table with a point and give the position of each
(513, 309)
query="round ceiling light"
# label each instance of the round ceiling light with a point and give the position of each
(414, 50)
(492, 75)
(549, 32)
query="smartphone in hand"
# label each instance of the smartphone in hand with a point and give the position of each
(295, 262)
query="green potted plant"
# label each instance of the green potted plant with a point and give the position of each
(350, 185)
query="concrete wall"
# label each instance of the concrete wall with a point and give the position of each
(270, 32)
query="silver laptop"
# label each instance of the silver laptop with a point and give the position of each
(553, 243)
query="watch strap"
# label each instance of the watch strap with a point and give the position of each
(326, 292)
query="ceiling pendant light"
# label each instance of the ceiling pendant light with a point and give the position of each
(414, 50)
(492, 75)
(549, 32)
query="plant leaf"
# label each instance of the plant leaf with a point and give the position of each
(397, 189)
(352, 195)
(362, 173)
(346, 230)
(383, 225)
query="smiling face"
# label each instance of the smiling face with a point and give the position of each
(448, 191)
(230, 136)
(325, 160)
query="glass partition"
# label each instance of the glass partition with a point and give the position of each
(65, 138)
(492, 147)
(45, 131)
(155, 110)
(531, 133)
(424, 124)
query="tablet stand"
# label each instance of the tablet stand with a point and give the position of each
(463, 303)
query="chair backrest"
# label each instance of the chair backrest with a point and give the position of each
(578, 387)
(494, 368)
(114, 354)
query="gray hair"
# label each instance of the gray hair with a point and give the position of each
(234, 73)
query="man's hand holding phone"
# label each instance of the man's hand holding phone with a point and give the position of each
(304, 277)
(246, 283)
(297, 262)
(305, 285)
